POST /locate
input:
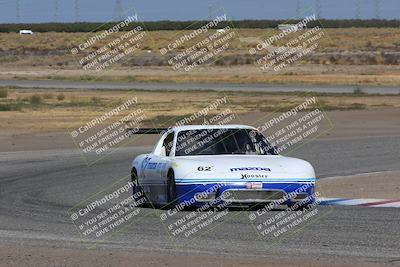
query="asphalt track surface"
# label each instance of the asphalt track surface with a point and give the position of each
(62, 84)
(38, 187)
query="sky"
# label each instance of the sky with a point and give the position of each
(36, 11)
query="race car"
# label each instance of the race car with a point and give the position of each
(196, 164)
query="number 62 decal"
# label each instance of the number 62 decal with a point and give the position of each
(204, 168)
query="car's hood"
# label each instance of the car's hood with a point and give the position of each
(249, 167)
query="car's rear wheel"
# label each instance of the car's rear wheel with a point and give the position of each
(171, 188)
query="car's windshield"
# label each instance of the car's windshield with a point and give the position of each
(222, 141)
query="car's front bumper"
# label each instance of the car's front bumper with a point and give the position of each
(245, 192)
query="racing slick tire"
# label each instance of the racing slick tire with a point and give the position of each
(136, 188)
(171, 189)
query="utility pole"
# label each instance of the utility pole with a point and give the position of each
(318, 8)
(298, 9)
(76, 9)
(56, 10)
(210, 10)
(118, 11)
(358, 9)
(377, 9)
(17, 11)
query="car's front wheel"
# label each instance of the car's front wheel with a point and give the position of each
(137, 191)
(134, 179)
(171, 188)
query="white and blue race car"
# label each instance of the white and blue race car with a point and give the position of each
(194, 164)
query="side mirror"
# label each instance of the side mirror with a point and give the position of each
(163, 153)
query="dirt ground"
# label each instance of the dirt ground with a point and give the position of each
(380, 185)
(379, 75)
(31, 256)
(352, 56)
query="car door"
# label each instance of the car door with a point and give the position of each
(153, 172)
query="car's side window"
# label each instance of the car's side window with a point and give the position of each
(168, 142)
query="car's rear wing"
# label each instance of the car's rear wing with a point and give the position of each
(146, 130)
